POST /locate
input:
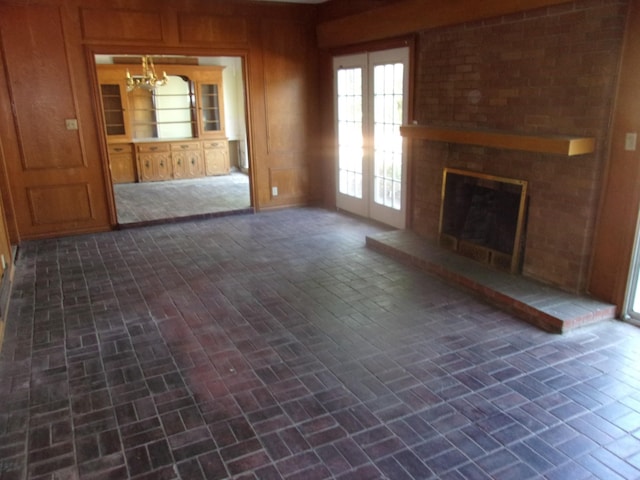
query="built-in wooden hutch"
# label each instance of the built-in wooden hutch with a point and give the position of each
(172, 132)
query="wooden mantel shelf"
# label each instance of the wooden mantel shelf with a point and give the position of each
(556, 144)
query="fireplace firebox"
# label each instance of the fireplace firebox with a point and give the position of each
(484, 217)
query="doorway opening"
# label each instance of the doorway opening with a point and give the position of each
(179, 149)
(371, 98)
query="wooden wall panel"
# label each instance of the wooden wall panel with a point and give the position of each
(620, 202)
(290, 182)
(212, 29)
(42, 88)
(55, 173)
(286, 84)
(49, 205)
(288, 112)
(8, 149)
(121, 25)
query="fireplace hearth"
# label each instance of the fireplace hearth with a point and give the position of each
(484, 217)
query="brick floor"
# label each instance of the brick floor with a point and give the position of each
(277, 345)
(148, 202)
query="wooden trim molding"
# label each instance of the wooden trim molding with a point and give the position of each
(6, 285)
(554, 144)
(408, 16)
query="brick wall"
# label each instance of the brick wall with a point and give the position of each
(552, 70)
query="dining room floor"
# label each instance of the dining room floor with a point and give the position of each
(144, 203)
(278, 345)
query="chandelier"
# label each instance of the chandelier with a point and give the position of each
(148, 80)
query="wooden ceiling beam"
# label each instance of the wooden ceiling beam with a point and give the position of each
(410, 16)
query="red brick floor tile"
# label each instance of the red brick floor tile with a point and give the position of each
(278, 346)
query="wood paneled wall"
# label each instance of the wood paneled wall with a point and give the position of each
(55, 173)
(57, 176)
(285, 48)
(620, 203)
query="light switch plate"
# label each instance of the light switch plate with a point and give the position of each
(630, 141)
(71, 123)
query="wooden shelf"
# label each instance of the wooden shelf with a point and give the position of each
(556, 144)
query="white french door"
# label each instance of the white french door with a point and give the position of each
(371, 92)
(631, 307)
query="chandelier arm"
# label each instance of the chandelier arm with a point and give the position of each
(149, 79)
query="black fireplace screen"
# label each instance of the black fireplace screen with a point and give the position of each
(483, 210)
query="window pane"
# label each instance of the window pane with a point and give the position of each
(350, 141)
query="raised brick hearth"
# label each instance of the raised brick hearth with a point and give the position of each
(546, 307)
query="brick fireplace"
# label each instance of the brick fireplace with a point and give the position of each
(539, 73)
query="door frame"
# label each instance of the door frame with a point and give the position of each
(92, 51)
(632, 289)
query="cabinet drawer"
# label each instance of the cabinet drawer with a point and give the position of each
(185, 146)
(215, 144)
(152, 147)
(120, 148)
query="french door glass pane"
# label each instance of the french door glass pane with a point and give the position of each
(388, 115)
(636, 300)
(350, 139)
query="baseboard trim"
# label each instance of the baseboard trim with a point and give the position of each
(6, 285)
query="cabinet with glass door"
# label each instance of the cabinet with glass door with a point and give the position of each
(177, 129)
(113, 96)
(210, 102)
(115, 109)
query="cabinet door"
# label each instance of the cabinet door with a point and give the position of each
(187, 159)
(187, 164)
(122, 163)
(163, 166)
(115, 103)
(122, 168)
(180, 164)
(211, 107)
(154, 167)
(145, 167)
(216, 161)
(195, 166)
